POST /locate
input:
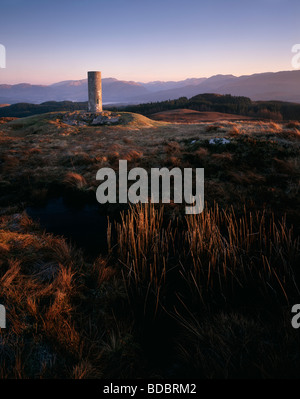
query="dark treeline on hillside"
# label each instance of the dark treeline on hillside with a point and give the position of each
(223, 103)
(275, 110)
(22, 110)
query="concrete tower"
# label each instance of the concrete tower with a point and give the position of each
(95, 91)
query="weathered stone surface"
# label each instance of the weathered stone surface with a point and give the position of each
(91, 118)
(95, 91)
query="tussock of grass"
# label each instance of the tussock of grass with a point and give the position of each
(234, 131)
(133, 155)
(168, 292)
(137, 120)
(75, 180)
(242, 269)
(214, 253)
(203, 296)
(60, 310)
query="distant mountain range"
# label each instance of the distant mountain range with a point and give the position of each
(281, 86)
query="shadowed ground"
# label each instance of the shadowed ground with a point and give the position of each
(205, 296)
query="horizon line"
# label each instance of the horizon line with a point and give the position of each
(150, 81)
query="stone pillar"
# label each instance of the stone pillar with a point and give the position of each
(95, 91)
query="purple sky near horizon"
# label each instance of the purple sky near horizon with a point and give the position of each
(51, 41)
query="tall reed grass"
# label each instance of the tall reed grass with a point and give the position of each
(211, 258)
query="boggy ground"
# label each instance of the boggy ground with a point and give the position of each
(202, 296)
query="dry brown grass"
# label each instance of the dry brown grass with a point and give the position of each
(287, 166)
(132, 155)
(201, 153)
(293, 125)
(246, 177)
(173, 161)
(275, 127)
(37, 292)
(75, 180)
(225, 278)
(172, 147)
(189, 116)
(234, 131)
(223, 158)
(217, 251)
(59, 309)
(213, 128)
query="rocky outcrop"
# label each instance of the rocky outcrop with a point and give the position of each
(91, 118)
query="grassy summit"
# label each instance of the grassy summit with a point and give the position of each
(176, 296)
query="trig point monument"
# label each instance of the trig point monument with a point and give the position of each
(95, 91)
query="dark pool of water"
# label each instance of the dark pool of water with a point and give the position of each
(81, 224)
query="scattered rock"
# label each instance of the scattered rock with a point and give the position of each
(219, 141)
(91, 118)
(105, 120)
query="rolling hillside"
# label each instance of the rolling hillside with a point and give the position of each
(279, 86)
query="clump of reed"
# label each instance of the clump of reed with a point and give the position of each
(75, 180)
(216, 257)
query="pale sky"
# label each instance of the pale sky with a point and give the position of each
(51, 41)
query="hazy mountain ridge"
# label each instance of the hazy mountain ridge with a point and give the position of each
(281, 86)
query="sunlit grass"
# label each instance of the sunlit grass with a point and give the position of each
(213, 253)
(207, 295)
